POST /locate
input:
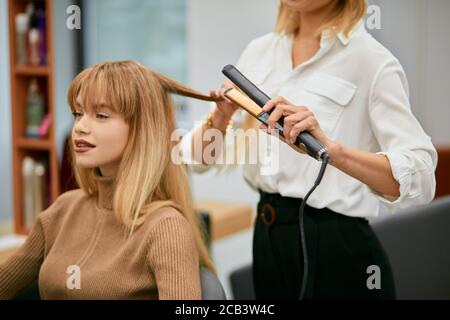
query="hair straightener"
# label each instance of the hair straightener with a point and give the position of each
(312, 146)
(253, 103)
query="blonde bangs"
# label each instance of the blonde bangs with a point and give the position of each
(344, 17)
(99, 88)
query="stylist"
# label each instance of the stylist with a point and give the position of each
(328, 76)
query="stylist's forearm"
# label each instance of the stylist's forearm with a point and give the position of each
(199, 142)
(372, 169)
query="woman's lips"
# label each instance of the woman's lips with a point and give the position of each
(82, 149)
(82, 146)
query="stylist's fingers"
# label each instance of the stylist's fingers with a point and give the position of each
(273, 132)
(213, 94)
(218, 97)
(225, 86)
(310, 124)
(263, 127)
(280, 110)
(290, 121)
(297, 148)
(274, 102)
(227, 106)
(222, 92)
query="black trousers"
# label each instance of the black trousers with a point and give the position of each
(340, 251)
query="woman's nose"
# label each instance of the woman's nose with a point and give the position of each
(82, 125)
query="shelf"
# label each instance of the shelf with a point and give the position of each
(31, 71)
(226, 218)
(34, 144)
(43, 149)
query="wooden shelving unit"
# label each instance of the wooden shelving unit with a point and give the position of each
(39, 149)
(32, 71)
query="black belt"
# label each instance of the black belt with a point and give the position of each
(278, 209)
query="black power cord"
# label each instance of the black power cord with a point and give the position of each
(325, 158)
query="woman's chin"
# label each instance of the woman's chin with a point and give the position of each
(85, 164)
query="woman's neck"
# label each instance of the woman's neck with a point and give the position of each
(109, 170)
(307, 39)
(309, 22)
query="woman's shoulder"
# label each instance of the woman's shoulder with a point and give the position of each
(168, 227)
(371, 51)
(71, 195)
(63, 204)
(163, 216)
(69, 198)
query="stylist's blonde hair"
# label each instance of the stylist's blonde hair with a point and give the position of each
(147, 179)
(346, 14)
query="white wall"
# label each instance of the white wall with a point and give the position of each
(65, 70)
(5, 118)
(218, 32)
(436, 70)
(416, 31)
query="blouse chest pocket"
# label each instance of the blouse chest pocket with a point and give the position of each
(327, 96)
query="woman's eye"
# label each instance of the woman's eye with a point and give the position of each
(102, 116)
(76, 114)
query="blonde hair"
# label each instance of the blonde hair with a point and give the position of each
(345, 15)
(146, 180)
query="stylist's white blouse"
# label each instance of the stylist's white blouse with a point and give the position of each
(359, 94)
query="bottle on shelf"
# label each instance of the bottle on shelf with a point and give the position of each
(34, 41)
(39, 188)
(21, 20)
(34, 188)
(29, 9)
(28, 194)
(34, 110)
(42, 45)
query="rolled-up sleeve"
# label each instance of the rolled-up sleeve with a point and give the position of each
(187, 153)
(228, 148)
(401, 138)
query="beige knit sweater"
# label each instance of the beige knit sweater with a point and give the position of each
(79, 250)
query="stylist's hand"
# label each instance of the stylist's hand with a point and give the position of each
(225, 107)
(297, 119)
